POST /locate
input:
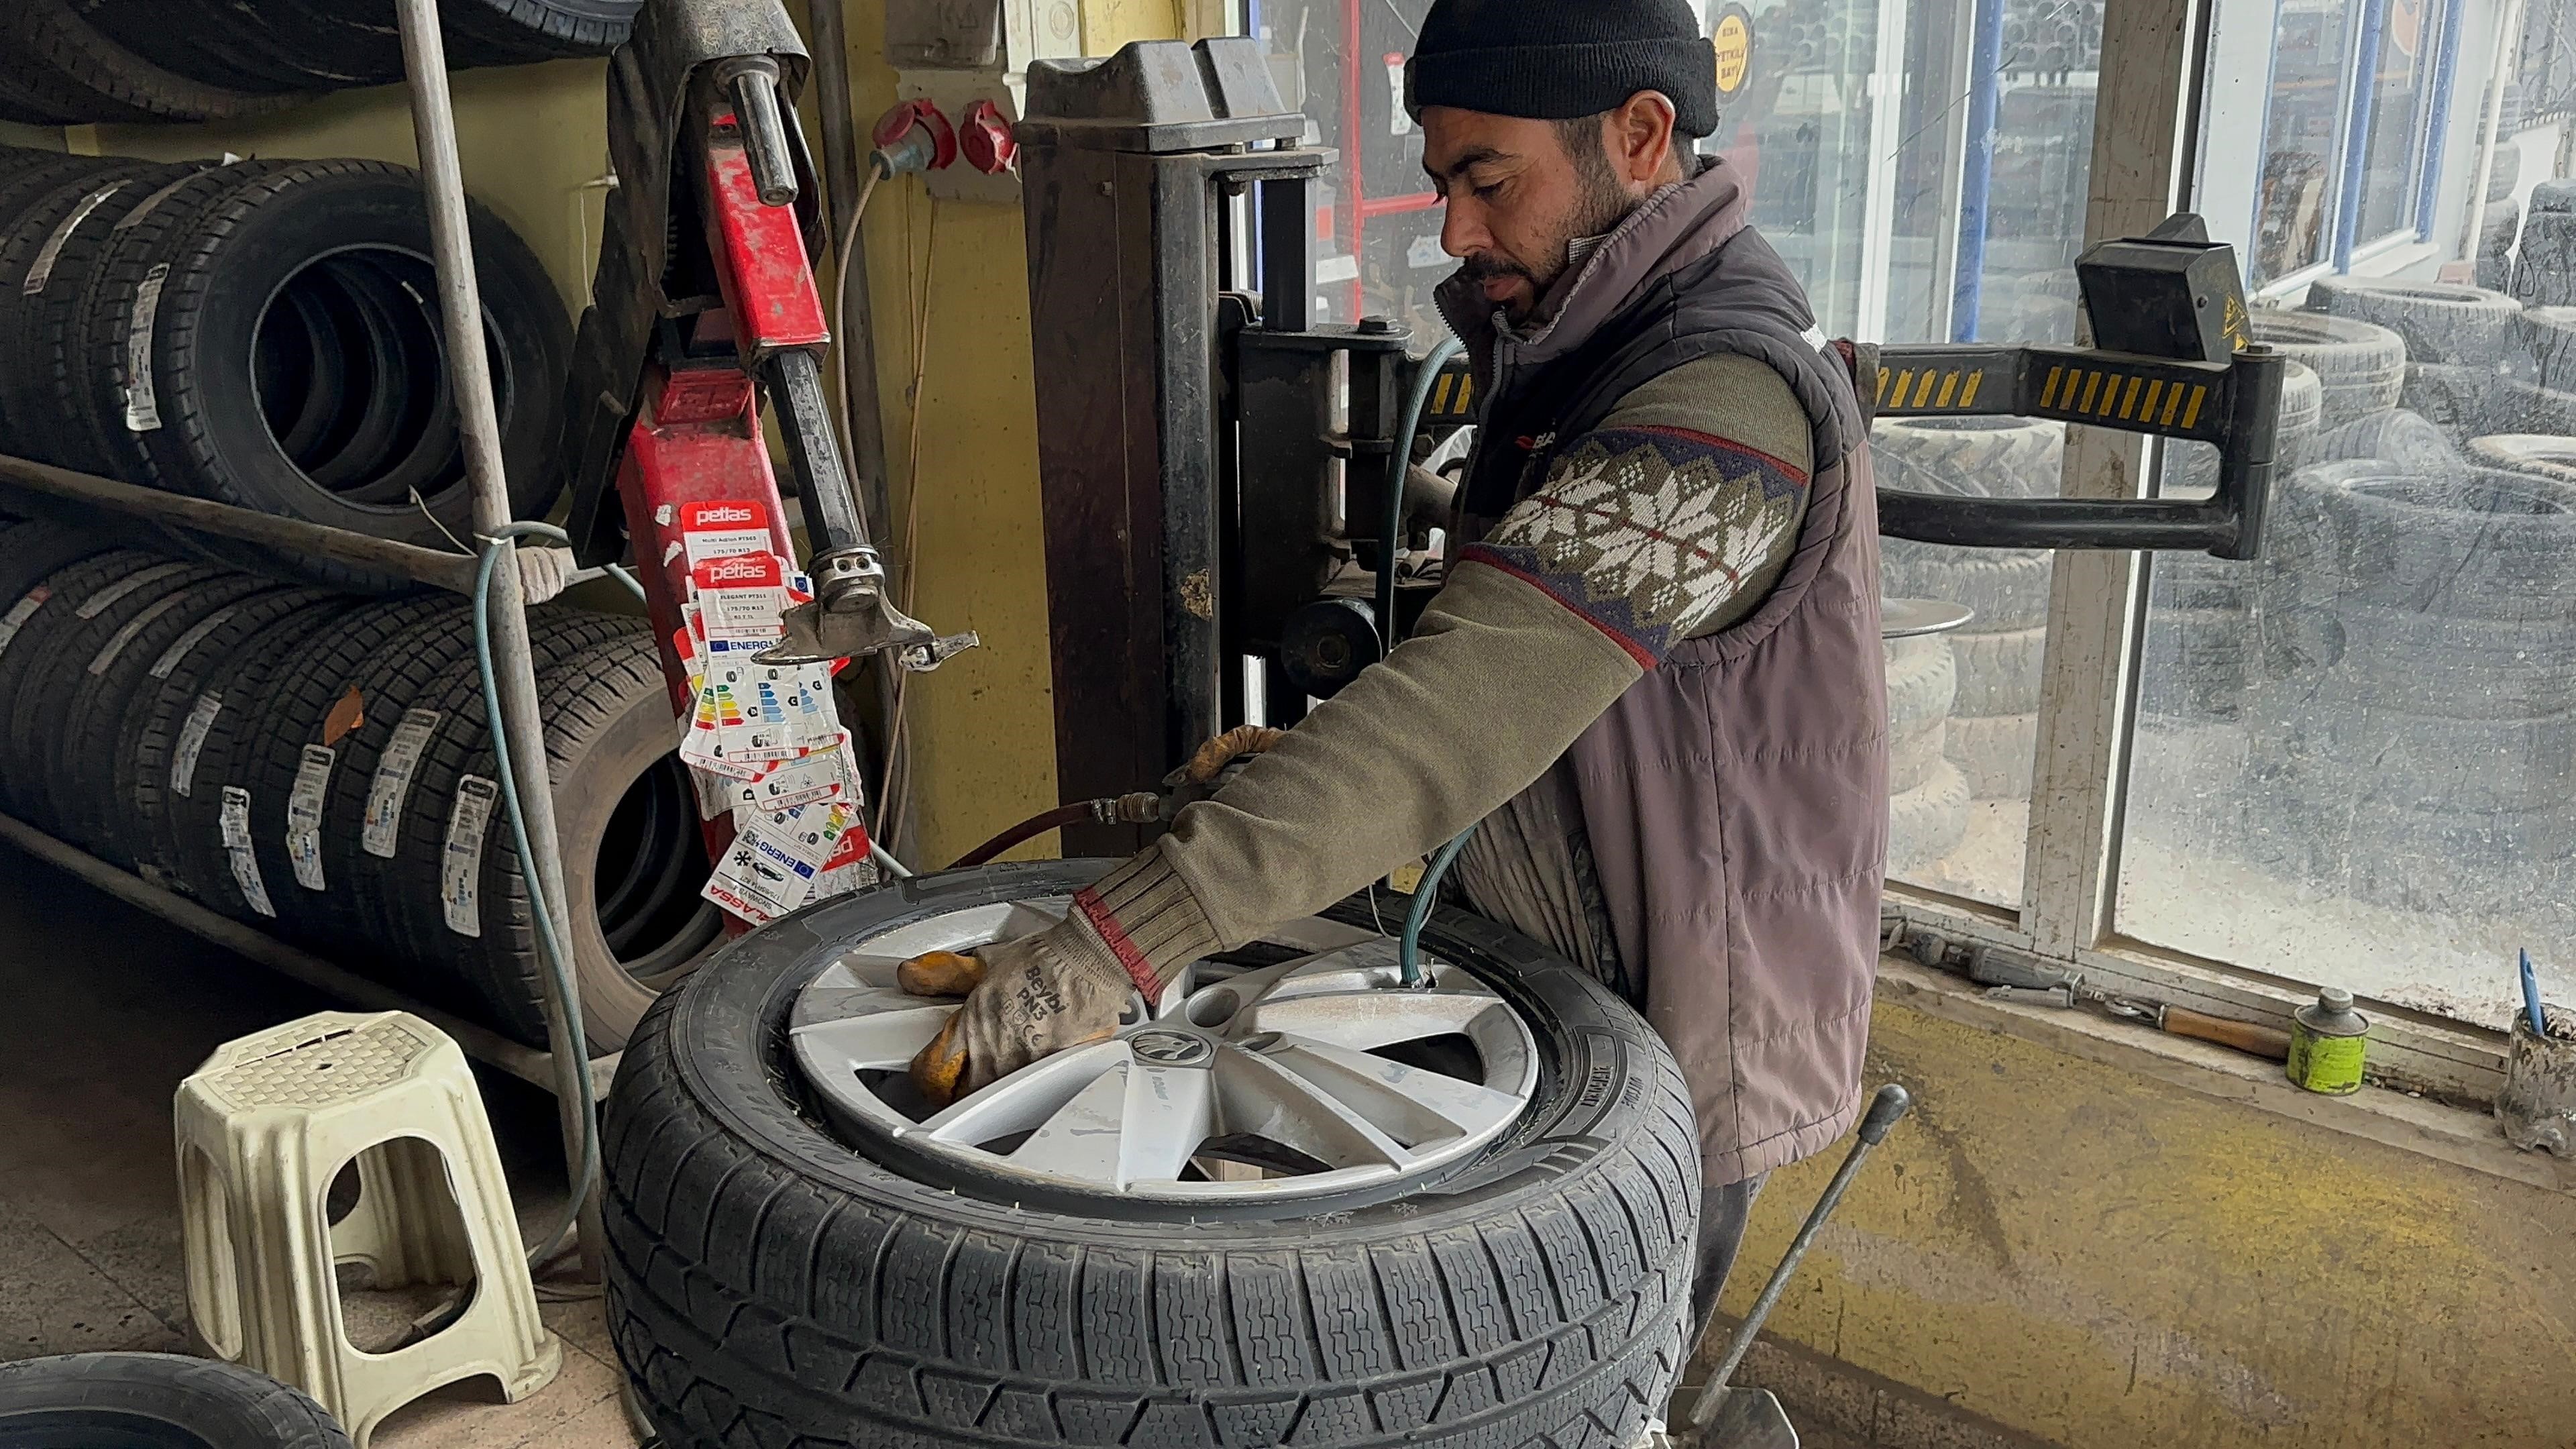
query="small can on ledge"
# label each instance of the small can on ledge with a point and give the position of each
(2329, 1044)
(2538, 1104)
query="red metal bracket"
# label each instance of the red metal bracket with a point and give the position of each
(767, 279)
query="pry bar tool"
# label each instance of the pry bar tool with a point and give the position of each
(1731, 1418)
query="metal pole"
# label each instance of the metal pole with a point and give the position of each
(1977, 172)
(2508, 36)
(479, 426)
(854, 332)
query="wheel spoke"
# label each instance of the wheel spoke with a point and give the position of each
(1368, 1019)
(883, 1041)
(1025, 1099)
(1169, 1112)
(1082, 1139)
(1413, 1106)
(1262, 1098)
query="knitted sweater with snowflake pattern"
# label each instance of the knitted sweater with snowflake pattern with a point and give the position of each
(1671, 520)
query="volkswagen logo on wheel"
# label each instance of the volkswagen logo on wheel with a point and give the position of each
(1169, 1048)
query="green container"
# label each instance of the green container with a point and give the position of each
(2329, 1044)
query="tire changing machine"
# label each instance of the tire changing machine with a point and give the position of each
(1215, 463)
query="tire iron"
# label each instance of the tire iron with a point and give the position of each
(1731, 1418)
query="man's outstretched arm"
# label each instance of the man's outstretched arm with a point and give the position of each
(1648, 531)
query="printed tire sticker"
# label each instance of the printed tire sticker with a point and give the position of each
(460, 870)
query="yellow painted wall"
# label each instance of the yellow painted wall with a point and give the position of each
(533, 140)
(2101, 1260)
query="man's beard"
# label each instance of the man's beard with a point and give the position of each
(1599, 207)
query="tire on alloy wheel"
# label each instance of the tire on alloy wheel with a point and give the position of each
(1351, 1217)
(156, 1401)
(2360, 366)
(2439, 321)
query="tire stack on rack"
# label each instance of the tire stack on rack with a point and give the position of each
(2417, 744)
(68, 62)
(317, 765)
(296, 357)
(1991, 737)
(2544, 269)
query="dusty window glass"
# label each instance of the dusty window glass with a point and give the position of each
(1377, 224)
(2354, 762)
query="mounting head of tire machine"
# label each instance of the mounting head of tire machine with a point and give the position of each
(704, 298)
(1214, 463)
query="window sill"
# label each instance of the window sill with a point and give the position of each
(2455, 1135)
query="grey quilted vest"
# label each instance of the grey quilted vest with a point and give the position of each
(1736, 797)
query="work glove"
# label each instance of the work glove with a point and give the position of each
(1025, 1000)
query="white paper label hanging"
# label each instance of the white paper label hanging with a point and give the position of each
(192, 741)
(195, 636)
(304, 815)
(117, 641)
(142, 406)
(460, 869)
(105, 599)
(392, 784)
(235, 818)
(724, 528)
(42, 270)
(20, 612)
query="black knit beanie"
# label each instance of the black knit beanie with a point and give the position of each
(1555, 60)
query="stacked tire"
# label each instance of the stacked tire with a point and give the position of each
(2416, 743)
(1991, 738)
(1927, 809)
(318, 765)
(267, 335)
(71, 62)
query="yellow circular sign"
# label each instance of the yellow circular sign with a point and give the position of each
(1733, 42)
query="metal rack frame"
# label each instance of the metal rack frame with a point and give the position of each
(513, 663)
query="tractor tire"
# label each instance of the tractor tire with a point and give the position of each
(1533, 1294)
(1928, 822)
(2544, 269)
(1997, 754)
(2007, 589)
(2438, 321)
(2405, 440)
(2361, 367)
(2549, 335)
(156, 1401)
(1969, 457)
(1922, 682)
(2499, 229)
(2543, 455)
(2461, 400)
(2000, 673)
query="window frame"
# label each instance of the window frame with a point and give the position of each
(2146, 148)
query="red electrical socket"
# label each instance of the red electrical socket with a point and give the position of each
(895, 124)
(986, 139)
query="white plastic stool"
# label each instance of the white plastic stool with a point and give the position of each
(266, 1125)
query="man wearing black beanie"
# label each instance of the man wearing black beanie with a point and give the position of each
(1652, 677)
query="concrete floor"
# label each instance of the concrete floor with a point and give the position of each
(107, 1009)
